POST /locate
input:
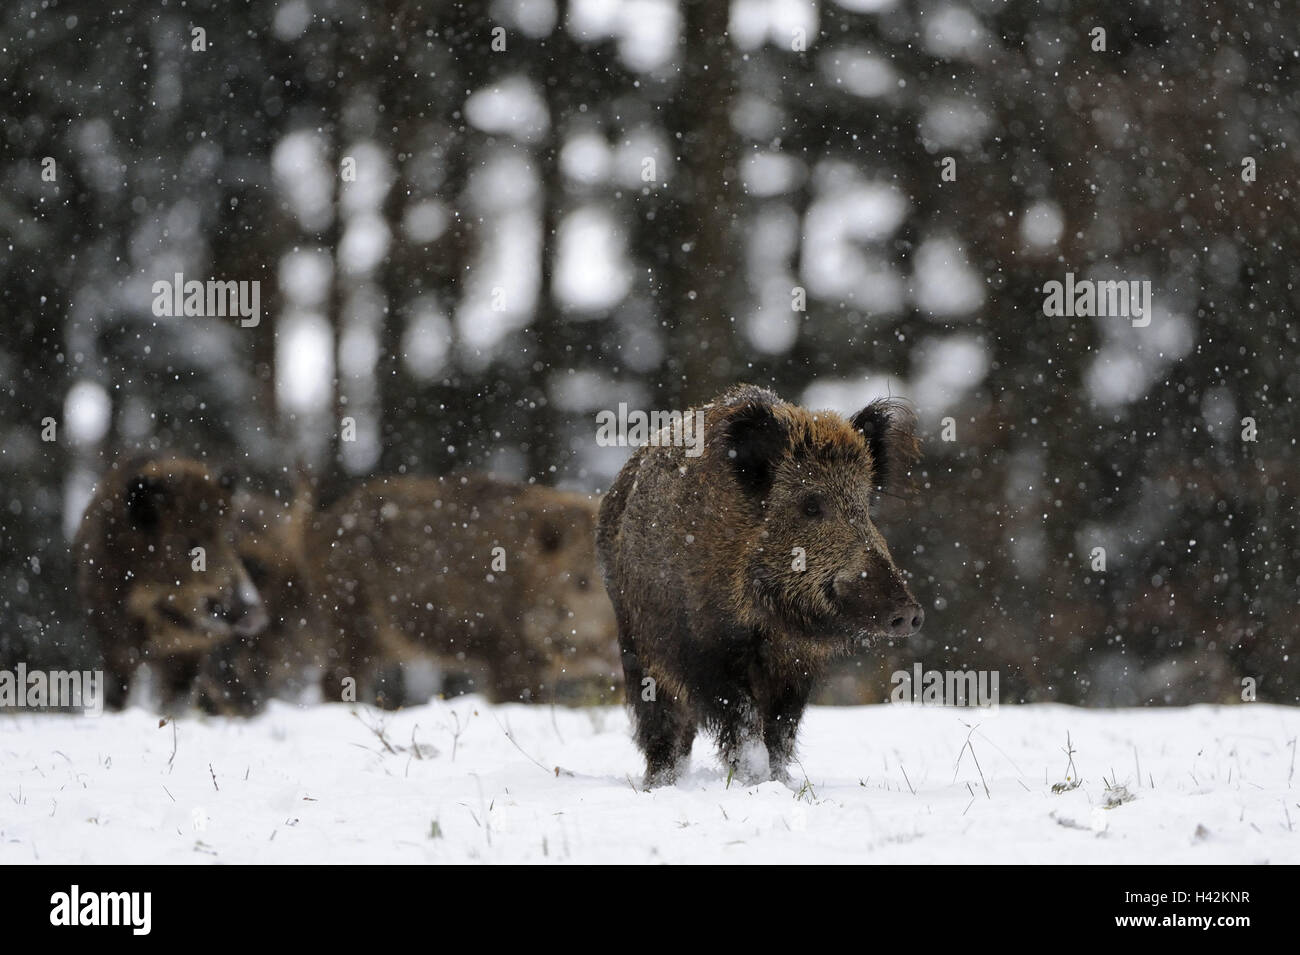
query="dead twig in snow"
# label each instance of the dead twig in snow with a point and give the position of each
(515, 744)
(378, 731)
(909, 782)
(172, 758)
(967, 746)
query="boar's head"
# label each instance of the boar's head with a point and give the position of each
(185, 600)
(817, 566)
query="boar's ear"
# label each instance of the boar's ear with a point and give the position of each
(145, 499)
(754, 440)
(889, 425)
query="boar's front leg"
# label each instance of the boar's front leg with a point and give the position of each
(736, 718)
(176, 676)
(235, 679)
(782, 710)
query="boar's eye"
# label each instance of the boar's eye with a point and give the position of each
(811, 506)
(583, 583)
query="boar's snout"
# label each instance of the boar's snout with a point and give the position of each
(241, 609)
(880, 600)
(907, 620)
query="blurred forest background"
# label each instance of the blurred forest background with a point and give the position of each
(559, 205)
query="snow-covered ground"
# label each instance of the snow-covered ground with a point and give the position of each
(465, 781)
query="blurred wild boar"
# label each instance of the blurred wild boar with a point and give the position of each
(474, 572)
(738, 575)
(159, 575)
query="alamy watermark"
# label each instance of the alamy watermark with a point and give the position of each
(946, 687)
(133, 910)
(211, 299)
(1101, 299)
(623, 428)
(25, 689)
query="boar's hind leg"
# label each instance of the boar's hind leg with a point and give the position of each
(665, 728)
(390, 685)
(665, 731)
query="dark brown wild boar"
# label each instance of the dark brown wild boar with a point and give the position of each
(738, 574)
(472, 571)
(151, 596)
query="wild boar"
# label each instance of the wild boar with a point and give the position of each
(739, 573)
(472, 571)
(159, 576)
